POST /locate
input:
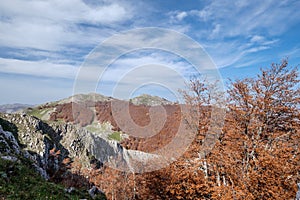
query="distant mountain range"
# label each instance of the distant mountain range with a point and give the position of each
(13, 108)
(144, 99)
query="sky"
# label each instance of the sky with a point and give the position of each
(46, 46)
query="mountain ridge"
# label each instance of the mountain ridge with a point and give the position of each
(143, 99)
(15, 107)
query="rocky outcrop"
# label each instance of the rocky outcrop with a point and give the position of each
(298, 193)
(33, 137)
(85, 145)
(8, 143)
(37, 138)
(149, 100)
(11, 150)
(94, 191)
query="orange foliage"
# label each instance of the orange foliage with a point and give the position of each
(256, 156)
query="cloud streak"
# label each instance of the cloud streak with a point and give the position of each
(231, 31)
(53, 25)
(38, 68)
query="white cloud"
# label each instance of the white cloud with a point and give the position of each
(125, 65)
(216, 31)
(107, 14)
(255, 49)
(74, 11)
(262, 41)
(237, 52)
(203, 14)
(181, 15)
(257, 38)
(247, 17)
(53, 25)
(177, 16)
(37, 68)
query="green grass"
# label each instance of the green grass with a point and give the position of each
(115, 136)
(19, 181)
(97, 128)
(92, 128)
(39, 113)
(35, 112)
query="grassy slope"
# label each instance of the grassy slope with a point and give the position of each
(115, 136)
(19, 181)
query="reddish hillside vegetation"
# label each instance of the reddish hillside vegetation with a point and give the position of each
(169, 117)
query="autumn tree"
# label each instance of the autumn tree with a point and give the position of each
(264, 114)
(270, 101)
(257, 153)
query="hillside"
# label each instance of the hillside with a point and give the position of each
(43, 130)
(94, 114)
(197, 150)
(82, 98)
(149, 100)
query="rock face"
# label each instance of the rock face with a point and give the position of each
(8, 143)
(11, 150)
(298, 193)
(35, 139)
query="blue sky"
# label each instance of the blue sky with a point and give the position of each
(43, 44)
